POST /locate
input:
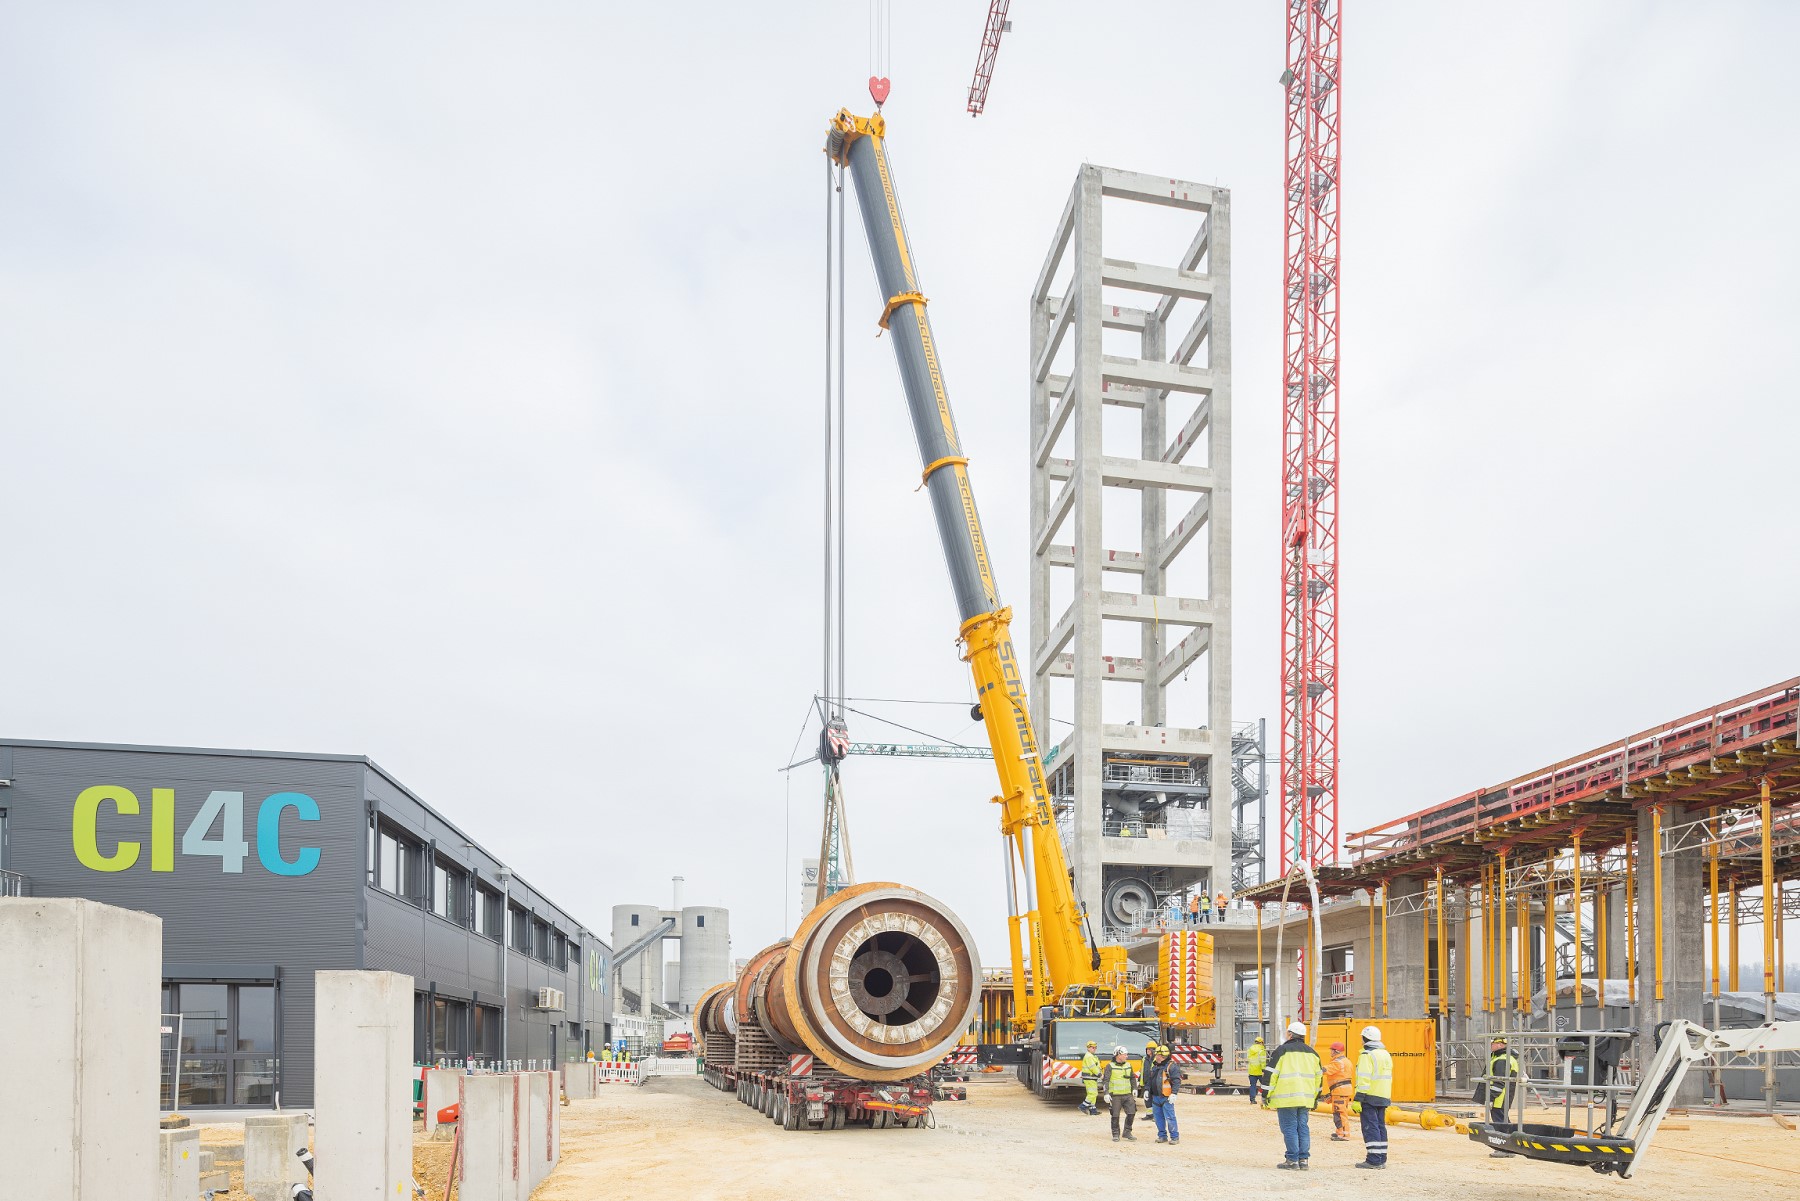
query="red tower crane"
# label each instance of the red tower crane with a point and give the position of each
(997, 24)
(1309, 476)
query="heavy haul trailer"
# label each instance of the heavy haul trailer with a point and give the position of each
(842, 1024)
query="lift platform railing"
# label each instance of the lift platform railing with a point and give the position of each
(1742, 723)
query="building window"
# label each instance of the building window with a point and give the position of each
(449, 892)
(449, 1029)
(486, 1043)
(396, 864)
(521, 930)
(634, 918)
(699, 919)
(228, 1052)
(559, 951)
(540, 941)
(487, 913)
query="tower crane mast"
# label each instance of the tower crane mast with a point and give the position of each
(1309, 479)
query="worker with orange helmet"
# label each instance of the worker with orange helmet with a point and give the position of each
(1338, 1073)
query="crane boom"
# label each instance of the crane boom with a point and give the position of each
(1061, 955)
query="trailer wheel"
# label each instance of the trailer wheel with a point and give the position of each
(790, 1115)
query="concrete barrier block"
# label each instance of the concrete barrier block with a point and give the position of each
(491, 1142)
(80, 991)
(271, 1167)
(441, 1089)
(178, 1165)
(537, 1126)
(362, 1085)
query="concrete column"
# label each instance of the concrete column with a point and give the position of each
(1088, 534)
(441, 1089)
(178, 1164)
(362, 1085)
(80, 989)
(491, 1169)
(1406, 951)
(1683, 937)
(271, 1165)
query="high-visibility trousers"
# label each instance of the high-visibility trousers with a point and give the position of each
(1340, 1109)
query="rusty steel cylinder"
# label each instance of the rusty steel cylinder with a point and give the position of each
(714, 1012)
(879, 982)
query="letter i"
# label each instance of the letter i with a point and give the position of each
(162, 829)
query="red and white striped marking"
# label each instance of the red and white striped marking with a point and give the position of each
(800, 1065)
(1056, 1069)
(1191, 1054)
(961, 1056)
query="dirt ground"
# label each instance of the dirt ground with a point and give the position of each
(678, 1138)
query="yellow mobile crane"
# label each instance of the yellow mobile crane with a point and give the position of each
(1066, 988)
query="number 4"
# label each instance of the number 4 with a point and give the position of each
(231, 848)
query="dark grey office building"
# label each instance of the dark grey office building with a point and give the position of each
(266, 866)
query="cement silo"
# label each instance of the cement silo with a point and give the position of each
(643, 974)
(705, 951)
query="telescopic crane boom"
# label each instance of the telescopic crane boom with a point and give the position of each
(1065, 966)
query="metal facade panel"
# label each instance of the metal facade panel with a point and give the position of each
(249, 918)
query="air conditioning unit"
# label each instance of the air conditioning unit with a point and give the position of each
(549, 998)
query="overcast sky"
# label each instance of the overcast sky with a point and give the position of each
(440, 382)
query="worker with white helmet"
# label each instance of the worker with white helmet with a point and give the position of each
(1296, 1079)
(1118, 1081)
(1374, 1092)
(1256, 1059)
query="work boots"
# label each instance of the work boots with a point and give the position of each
(1129, 1119)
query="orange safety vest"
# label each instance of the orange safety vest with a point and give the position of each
(1338, 1073)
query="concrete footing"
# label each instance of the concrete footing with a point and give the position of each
(178, 1165)
(363, 1085)
(80, 989)
(271, 1167)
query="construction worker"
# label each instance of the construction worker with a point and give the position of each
(1118, 1081)
(1090, 1079)
(1338, 1072)
(1219, 907)
(1257, 1060)
(1194, 910)
(1296, 1079)
(1162, 1080)
(1205, 906)
(1374, 1092)
(1503, 1070)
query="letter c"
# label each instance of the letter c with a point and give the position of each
(268, 834)
(86, 828)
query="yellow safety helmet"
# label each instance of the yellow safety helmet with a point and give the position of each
(1092, 1043)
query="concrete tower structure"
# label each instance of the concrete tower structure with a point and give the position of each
(1131, 542)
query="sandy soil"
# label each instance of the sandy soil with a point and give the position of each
(678, 1138)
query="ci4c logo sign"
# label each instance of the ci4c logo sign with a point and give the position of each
(222, 809)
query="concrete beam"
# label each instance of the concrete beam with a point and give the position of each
(1162, 281)
(80, 990)
(1166, 610)
(362, 1085)
(1183, 654)
(1154, 376)
(1190, 524)
(1063, 555)
(1190, 433)
(1116, 472)
(493, 1110)
(1171, 193)
(1060, 408)
(1051, 646)
(1112, 667)
(1059, 510)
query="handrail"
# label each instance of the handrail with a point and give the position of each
(1751, 719)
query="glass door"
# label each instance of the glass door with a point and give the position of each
(228, 1051)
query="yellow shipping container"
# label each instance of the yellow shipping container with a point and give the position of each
(1411, 1041)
